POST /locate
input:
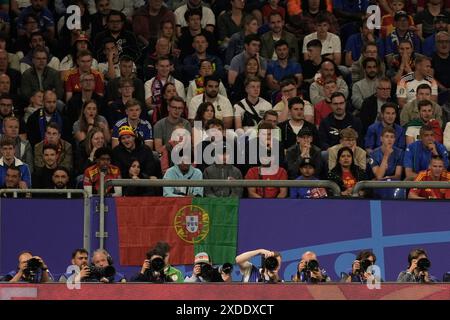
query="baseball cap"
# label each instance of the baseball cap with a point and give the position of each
(305, 131)
(126, 130)
(400, 14)
(307, 162)
(201, 257)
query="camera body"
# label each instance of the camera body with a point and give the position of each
(312, 266)
(269, 263)
(210, 274)
(423, 264)
(156, 271)
(364, 264)
(101, 272)
(34, 265)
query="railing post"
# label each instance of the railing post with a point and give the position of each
(102, 210)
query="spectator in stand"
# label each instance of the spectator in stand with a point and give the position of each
(346, 173)
(303, 149)
(147, 20)
(402, 63)
(387, 21)
(30, 25)
(64, 148)
(425, 118)
(339, 119)
(348, 138)
(369, 50)
(270, 7)
(371, 106)
(183, 171)
(436, 172)
(231, 21)
(133, 119)
(425, 19)
(419, 153)
(91, 179)
(323, 108)
(8, 159)
(197, 86)
(148, 70)
(331, 44)
(40, 119)
(90, 118)
(408, 84)
(441, 65)
(24, 151)
(43, 176)
(430, 43)
(125, 40)
(411, 110)
(386, 161)
(84, 66)
(84, 156)
(365, 87)
(307, 172)
(277, 33)
(401, 32)
(98, 19)
(37, 40)
(312, 66)
(40, 76)
(236, 43)
(388, 116)
(46, 23)
(208, 19)
(328, 69)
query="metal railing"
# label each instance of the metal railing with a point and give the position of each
(226, 183)
(399, 184)
(69, 192)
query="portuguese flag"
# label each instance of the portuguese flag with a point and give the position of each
(189, 225)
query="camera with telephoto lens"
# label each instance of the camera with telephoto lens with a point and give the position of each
(156, 271)
(101, 272)
(210, 274)
(226, 268)
(364, 264)
(269, 263)
(34, 265)
(423, 264)
(312, 265)
(157, 264)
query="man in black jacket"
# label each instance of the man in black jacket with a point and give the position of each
(132, 148)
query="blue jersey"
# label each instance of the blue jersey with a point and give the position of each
(373, 136)
(144, 129)
(417, 156)
(395, 159)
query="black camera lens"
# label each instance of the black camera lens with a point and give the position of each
(270, 263)
(34, 264)
(227, 268)
(364, 264)
(423, 264)
(101, 272)
(157, 264)
(312, 265)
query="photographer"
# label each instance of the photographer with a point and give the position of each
(308, 270)
(360, 267)
(418, 268)
(30, 269)
(101, 269)
(156, 267)
(270, 265)
(204, 271)
(79, 266)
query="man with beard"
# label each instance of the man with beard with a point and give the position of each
(276, 33)
(283, 67)
(61, 178)
(42, 177)
(366, 87)
(222, 106)
(79, 266)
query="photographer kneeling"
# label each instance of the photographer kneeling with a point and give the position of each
(268, 272)
(418, 268)
(205, 272)
(308, 270)
(30, 269)
(156, 267)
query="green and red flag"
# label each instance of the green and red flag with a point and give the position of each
(189, 225)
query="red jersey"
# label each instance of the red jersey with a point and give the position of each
(321, 111)
(92, 177)
(348, 179)
(72, 82)
(254, 174)
(432, 193)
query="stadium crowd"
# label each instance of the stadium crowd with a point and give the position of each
(117, 85)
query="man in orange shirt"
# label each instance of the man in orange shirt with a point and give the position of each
(436, 172)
